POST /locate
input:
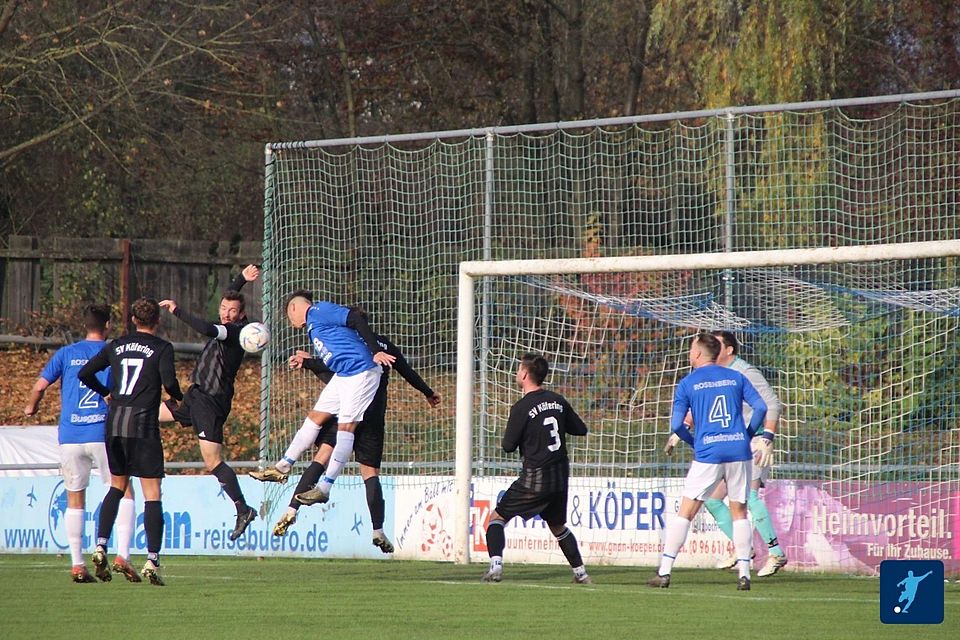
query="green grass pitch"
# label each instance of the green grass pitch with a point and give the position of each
(209, 597)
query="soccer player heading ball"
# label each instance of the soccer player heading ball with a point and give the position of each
(344, 342)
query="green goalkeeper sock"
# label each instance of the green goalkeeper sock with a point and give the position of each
(721, 513)
(763, 523)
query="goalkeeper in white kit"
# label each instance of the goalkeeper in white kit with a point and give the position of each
(763, 459)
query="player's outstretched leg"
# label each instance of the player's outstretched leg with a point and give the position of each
(302, 440)
(246, 514)
(571, 551)
(764, 524)
(496, 541)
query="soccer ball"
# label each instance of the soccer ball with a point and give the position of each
(254, 337)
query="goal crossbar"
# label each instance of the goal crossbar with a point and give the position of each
(469, 270)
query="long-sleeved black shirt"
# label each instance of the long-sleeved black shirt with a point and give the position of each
(140, 364)
(538, 425)
(222, 355)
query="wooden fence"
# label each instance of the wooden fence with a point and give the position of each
(44, 279)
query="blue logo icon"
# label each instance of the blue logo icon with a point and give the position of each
(57, 515)
(911, 592)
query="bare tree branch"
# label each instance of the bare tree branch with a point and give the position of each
(7, 15)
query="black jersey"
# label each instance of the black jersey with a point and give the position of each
(401, 365)
(539, 424)
(140, 363)
(221, 357)
(219, 361)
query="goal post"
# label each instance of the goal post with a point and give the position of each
(878, 291)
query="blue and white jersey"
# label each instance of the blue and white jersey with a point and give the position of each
(337, 345)
(83, 412)
(715, 396)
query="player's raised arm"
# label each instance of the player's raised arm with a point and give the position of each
(202, 327)
(401, 366)
(88, 373)
(250, 273)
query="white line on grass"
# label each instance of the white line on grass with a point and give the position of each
(672, 593)
(525, 585)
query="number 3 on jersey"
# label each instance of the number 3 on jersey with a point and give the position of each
(719, 413)
(554, 427)
(130, 375)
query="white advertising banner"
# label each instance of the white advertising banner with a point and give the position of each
(616, 521)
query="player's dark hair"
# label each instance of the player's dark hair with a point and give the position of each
(536, 367)
(710, 345)
(145, 312)
(232, 295)
(299, 293)
(96, 317)
(728, 339)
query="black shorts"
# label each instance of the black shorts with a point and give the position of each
(202, 412)
(140, 457)
(519, 501)
(367, 439)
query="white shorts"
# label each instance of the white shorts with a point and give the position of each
(704, 477)
(76, 461)
(347, 398)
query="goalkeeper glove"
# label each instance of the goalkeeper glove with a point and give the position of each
(672, 441)
(762, 449)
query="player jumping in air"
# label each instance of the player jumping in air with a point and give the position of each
(715, 396)
(538, 424)
(208, 401)
(368, 446)
(347, 346)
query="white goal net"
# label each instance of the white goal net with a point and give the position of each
(863, 355)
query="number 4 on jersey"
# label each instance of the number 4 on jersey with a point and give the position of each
(719, 413)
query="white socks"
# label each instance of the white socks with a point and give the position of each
(74, 522)
(742, 538)
(304, 438)
(677, 531)
(341, 454)
(126, 522)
